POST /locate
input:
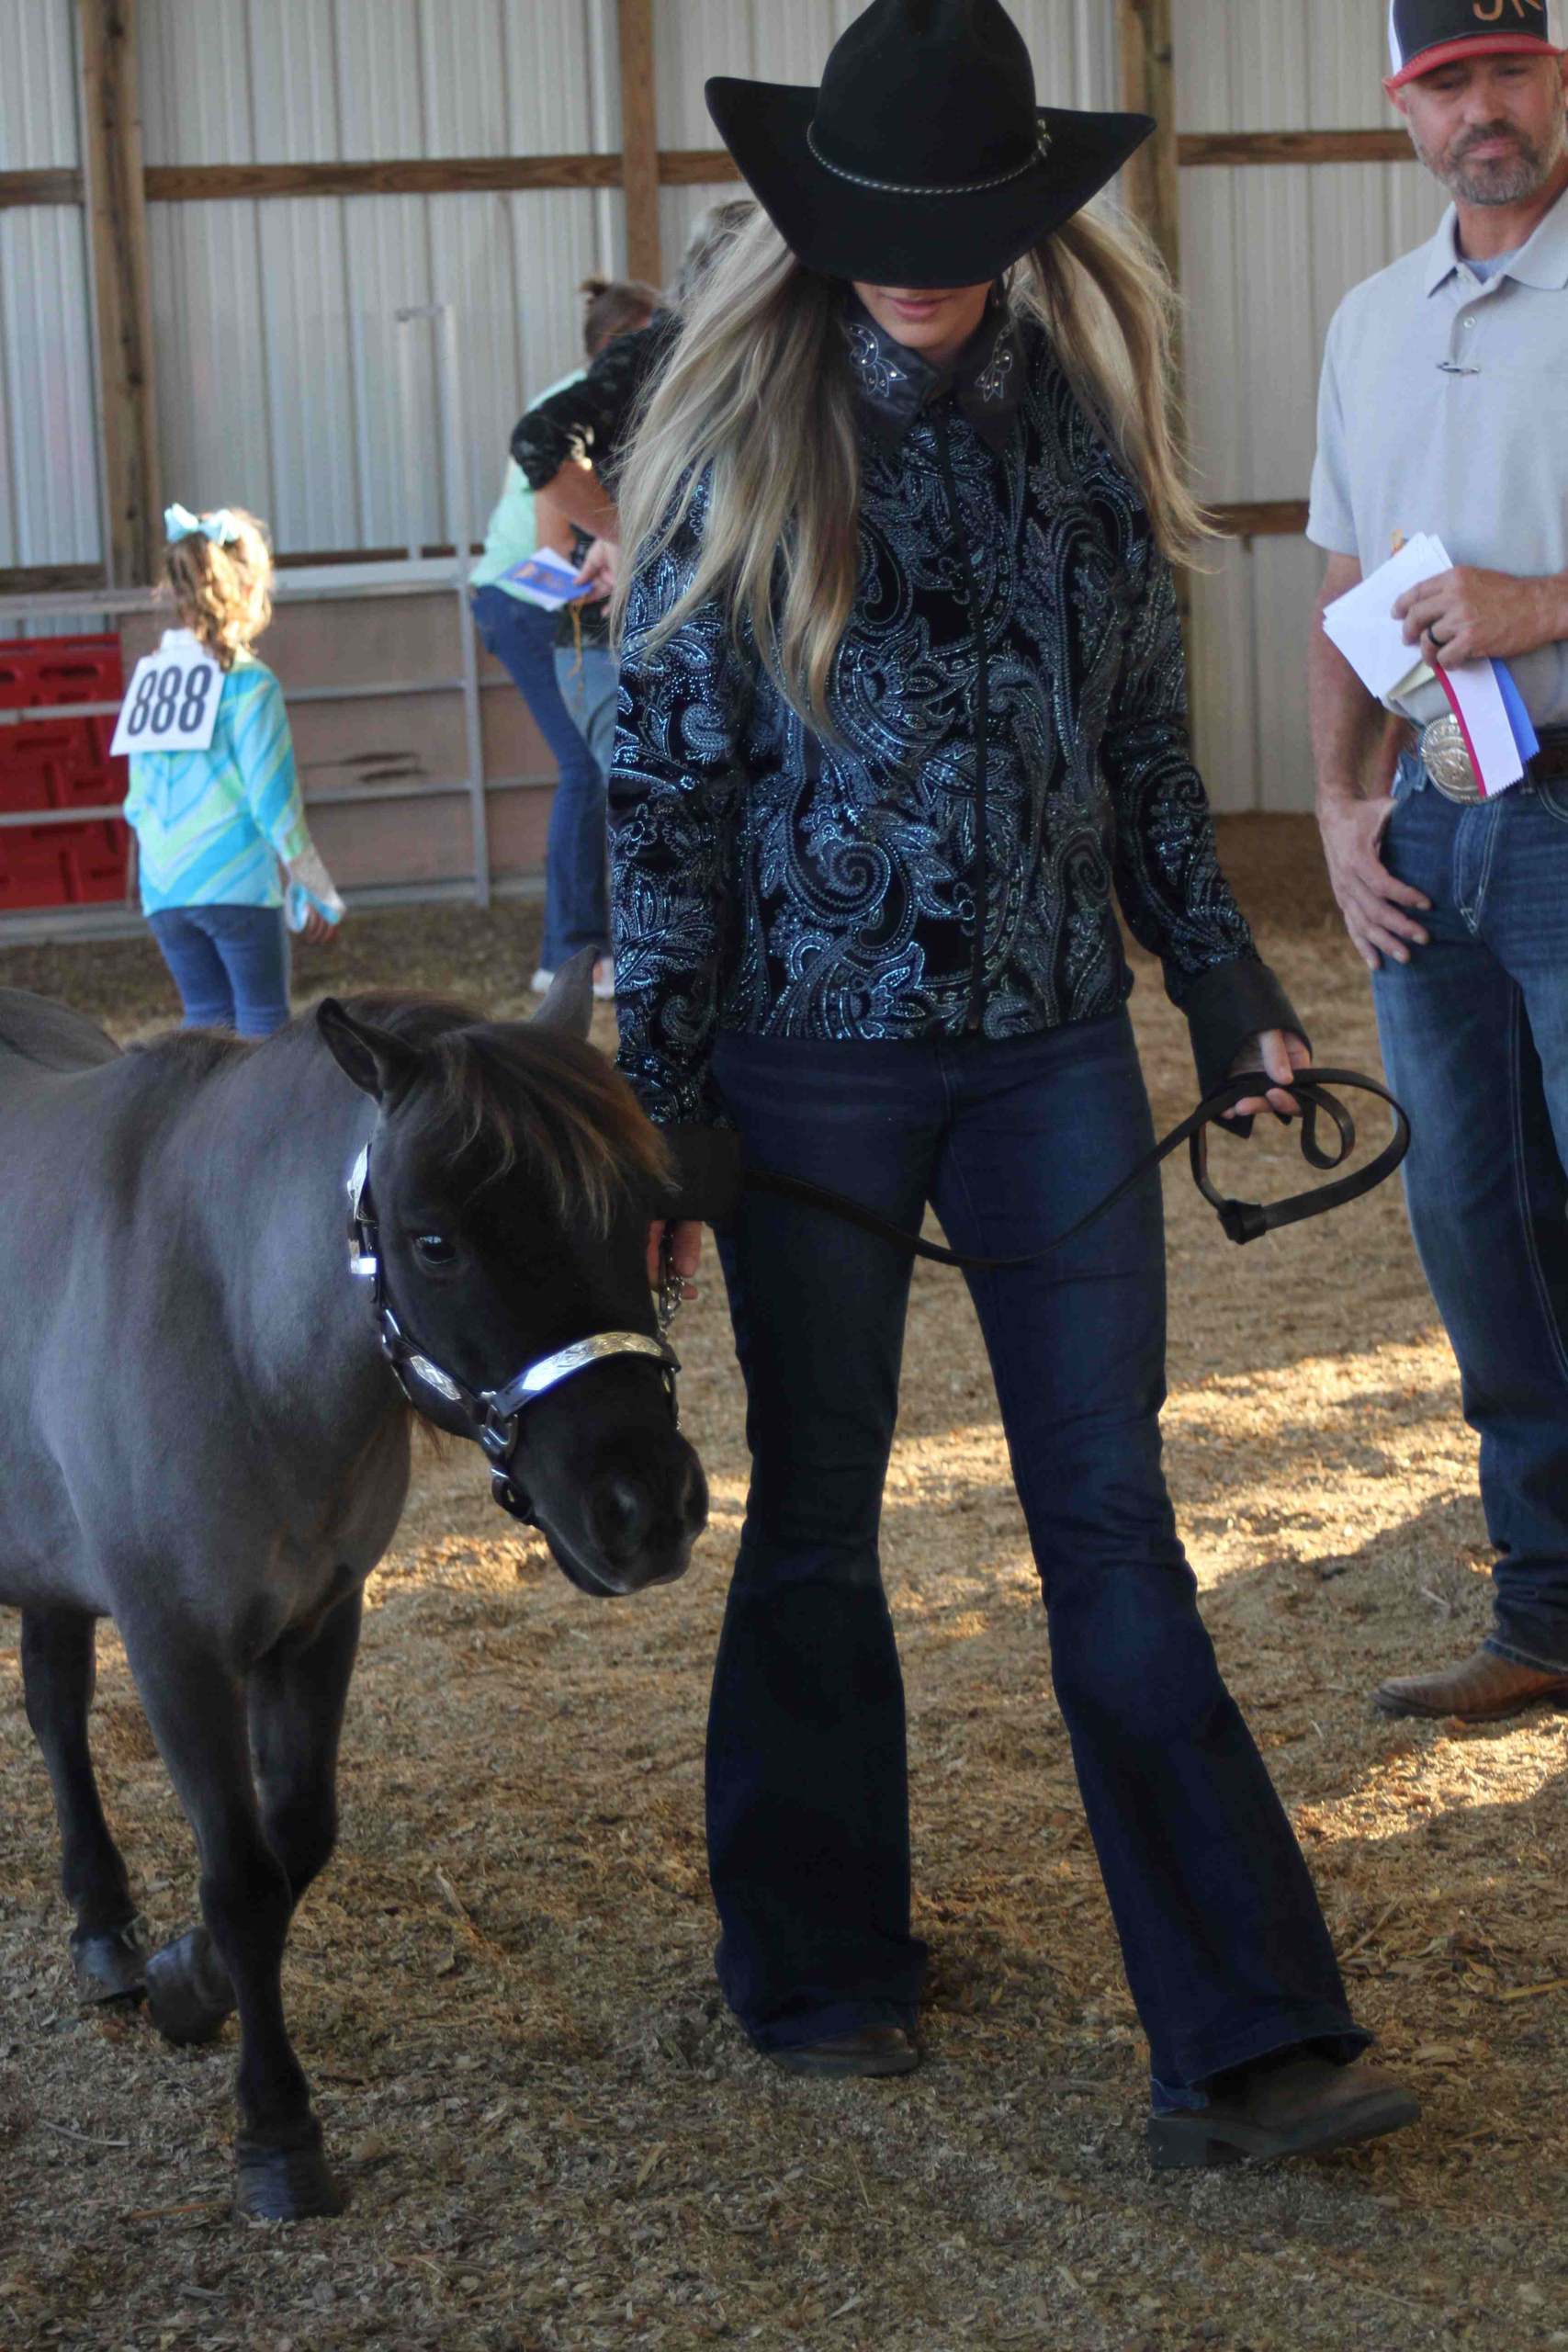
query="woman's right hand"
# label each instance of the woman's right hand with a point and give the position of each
(686, 1251)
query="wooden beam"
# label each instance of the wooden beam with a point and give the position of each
(696, 166)
(678, 167)
(639, 143)
(1148, 86)
(39, 187)
(427, 175)
(1266, 518)
(1196, 148)
(116, 234)
(49, 579)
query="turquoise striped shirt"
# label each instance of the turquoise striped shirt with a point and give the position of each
(211, 826)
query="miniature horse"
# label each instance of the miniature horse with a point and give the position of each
(205, 1383)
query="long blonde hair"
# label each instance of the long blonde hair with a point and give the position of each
(224, 595)
(760, 396)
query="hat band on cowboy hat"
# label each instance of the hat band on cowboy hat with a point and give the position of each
(916, 187)
(1425, 34)
(923, 159)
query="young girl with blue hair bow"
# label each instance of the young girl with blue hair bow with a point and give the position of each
(214, 827)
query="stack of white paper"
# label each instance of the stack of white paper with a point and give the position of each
(1362, 623)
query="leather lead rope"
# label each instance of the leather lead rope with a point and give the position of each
(1242, 1220)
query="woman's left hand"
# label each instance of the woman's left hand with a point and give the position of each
(1279, 1052)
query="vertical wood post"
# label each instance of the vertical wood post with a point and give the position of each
(639, 142)
(1148, 86)
(117, 232)
(1151, 180)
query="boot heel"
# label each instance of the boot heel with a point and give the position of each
(1181, 2140)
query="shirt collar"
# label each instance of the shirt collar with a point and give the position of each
(1541, 262)
(896, 384)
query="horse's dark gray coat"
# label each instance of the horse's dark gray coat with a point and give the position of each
(199, 1437)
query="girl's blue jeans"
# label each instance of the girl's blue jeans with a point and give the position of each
(523, 639)
(1223, 1942)
(229, 965)
(1474, 1034)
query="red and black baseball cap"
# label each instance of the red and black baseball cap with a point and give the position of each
(1425, 34)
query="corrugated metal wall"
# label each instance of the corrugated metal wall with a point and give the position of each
(1267, 253)
(276, 321)
(49, 504)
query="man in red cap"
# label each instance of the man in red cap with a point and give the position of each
(1444, 409)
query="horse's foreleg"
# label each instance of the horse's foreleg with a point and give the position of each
(109, 1946)
(197, 1708)
(297, 1697)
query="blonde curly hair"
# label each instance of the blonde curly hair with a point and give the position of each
(224, 595)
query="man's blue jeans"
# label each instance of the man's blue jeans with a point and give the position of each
(808, 1845)
(229, 965)
(523, 639)
(1474, 1033)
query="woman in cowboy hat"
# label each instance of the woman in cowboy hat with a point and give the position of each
(902, 703)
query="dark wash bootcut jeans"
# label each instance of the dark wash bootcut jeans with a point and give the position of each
(1474, 1036)
(808, 1843)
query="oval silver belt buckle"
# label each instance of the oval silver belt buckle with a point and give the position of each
(1447, 762)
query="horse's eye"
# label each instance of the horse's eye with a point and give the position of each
(433, 1249)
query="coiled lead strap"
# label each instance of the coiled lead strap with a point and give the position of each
(1242, 1220)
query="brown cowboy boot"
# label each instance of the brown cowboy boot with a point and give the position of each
(875, 2049)
(1483, 1689)
(1301, 2108)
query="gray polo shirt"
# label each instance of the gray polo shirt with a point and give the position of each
(1444, 408)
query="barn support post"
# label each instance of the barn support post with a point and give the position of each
(1151, 183)
(1148, 86)
(639, 143)
(122, 309)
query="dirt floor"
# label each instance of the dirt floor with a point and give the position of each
(503, 1987)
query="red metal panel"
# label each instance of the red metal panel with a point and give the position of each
(61, 764)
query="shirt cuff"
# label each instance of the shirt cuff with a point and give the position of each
(1228, 1004)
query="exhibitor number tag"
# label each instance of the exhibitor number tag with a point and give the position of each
(172, 704)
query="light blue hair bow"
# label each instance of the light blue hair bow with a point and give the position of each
(179, 523)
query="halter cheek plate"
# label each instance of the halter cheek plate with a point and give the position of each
(492, 1414)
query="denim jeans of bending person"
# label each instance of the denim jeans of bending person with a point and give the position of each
(1474, 1033)
(808, 1843)
(588, 682)
(523, 639)
(229, 965)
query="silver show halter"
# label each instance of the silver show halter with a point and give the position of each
(492, 1414)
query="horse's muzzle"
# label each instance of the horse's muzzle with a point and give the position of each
(630, 1529)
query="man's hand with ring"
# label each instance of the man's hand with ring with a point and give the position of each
(1471, 615)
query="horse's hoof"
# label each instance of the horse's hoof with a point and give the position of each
(188, 1991)
(110, 1962)
(285, 2185)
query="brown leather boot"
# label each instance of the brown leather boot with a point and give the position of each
(875, 2049)
(1301, 2108)
(1483, 1689)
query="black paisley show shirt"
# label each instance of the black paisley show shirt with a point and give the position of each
(1009, 747)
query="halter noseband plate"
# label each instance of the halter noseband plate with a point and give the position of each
(492, 1414)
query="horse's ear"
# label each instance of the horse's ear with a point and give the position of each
(379, 1063)
(569, 1004)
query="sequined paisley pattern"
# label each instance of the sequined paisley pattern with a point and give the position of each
(876, 371)
(767, 881)
(992, 380)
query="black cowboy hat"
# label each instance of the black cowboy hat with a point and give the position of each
(923, 159)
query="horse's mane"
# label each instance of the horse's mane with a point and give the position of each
(496, 1095)
(493, 1096)
(198, 1051)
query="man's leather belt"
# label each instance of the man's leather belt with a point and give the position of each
(1441, 752)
